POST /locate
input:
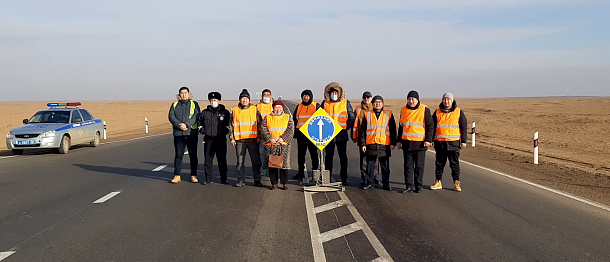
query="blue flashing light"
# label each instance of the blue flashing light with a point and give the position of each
(52, 104)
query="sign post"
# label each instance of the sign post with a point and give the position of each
(321, 129)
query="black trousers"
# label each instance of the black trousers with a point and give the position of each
(303, 144)
(273, 174)
(215, 146)
(364, 167)
(330, 153)
(384, 164)
(414, 162)
(190, 142)
(454, 163)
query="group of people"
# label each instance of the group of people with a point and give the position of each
(266, 129)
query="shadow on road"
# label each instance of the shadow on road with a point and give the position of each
(161, 175)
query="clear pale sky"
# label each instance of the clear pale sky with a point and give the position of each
(146, 50)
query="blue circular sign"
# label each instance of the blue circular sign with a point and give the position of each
(321, 129)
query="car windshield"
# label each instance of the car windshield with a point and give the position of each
(51, 117)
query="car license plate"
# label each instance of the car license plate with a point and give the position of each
(26, 142)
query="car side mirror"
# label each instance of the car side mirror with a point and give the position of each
(77, 120)
(25, 121)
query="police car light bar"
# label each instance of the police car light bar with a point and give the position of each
(63, 104)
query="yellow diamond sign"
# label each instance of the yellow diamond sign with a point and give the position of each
(320, 129)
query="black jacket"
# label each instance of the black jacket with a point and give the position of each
(180, 114)
(214, 121)
(377, 149)
(418, 145)
(463, 122)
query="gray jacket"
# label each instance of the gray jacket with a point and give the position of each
(180, 114)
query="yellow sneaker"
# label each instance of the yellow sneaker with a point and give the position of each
(437, 185)
(456, 186)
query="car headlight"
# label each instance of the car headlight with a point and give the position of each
(48, 134)
(10, 135)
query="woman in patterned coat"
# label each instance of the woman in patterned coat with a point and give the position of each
(277, 130)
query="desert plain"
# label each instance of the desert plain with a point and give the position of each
(574, 135)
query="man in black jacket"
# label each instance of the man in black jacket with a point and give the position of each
(183, 116)
(415, 132)
(214, 125)
(301, 113)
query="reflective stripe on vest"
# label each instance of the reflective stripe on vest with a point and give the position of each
(277, 125)
(304, 113)
(356, 128)
(191, 113)
(378, 129)
(413, 123)
(337, 111)
(265, 109)
(447, 125)
(244, 123)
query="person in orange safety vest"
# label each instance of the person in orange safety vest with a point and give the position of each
(243, 134)
(301, 113)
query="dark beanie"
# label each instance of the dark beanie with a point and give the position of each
(310, 94)
(377, 97)
(212, 95)
(278, 102)
(413, 93)
(244, 93)
(183, 88)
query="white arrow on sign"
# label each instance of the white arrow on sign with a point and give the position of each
(320, 124)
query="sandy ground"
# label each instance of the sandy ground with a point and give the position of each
(574, 144)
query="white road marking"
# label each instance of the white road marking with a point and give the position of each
(329, 206)
(314, 230)
(137, 138)
(339, 232)
(7, 157)
(573, 197)
(159, 168)
(106, 197)
(6, 254)
(186, 152)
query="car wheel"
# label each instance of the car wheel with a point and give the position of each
(64, 146)
(17, 151)
(96, 140)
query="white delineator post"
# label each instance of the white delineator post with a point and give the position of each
(474, 136)
(104, 130)
(146, 120)
(536, 148)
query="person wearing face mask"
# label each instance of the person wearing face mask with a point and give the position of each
(360, 112)
(277, 131)
(265, 108)
(451, 135)
(302, 112)
(243, 133)
(341, 111)
(214, 125)
(183, 116)
(378, 134)
(415, 133)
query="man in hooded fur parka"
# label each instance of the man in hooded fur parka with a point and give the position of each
(341, 111)
(301, 113)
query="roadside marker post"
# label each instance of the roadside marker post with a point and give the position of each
(536, 148)
(146, 120)
(104, 130)
(474, 134)
(321, 129)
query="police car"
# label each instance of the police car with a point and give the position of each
(59, 127)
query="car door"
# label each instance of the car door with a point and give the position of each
(88, 124)
(78, 131)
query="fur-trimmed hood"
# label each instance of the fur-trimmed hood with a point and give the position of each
(334, 85)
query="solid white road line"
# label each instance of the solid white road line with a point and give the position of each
(339, 232)
(159, 168)
(314, 230)
(329, 206)
(366, 229)
(137, 138)
(6, 254)
(106, 197)
(7, 157)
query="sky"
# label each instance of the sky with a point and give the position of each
(146, 50)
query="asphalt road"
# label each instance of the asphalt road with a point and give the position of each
(47, 214)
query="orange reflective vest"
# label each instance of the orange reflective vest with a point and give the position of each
(447, 125)
(378, 129)
(264, 109)
(244, 123)
(277, 125)
(356, 129)
(413, 123)
(337, 111)
(304, 113)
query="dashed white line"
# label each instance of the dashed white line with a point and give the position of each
(6, 254)
(106, 197)
(159, 168)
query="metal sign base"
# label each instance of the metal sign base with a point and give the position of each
(321, 180)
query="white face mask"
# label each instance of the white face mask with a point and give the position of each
(266, 100)
(334, 97)
(214, 104)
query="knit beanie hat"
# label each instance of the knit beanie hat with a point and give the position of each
(244, 93)
(278, 102)
(377, 97)
(310, 94)
(413, 93)
(450, 95)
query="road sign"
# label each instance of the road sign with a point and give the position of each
(320, 128)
